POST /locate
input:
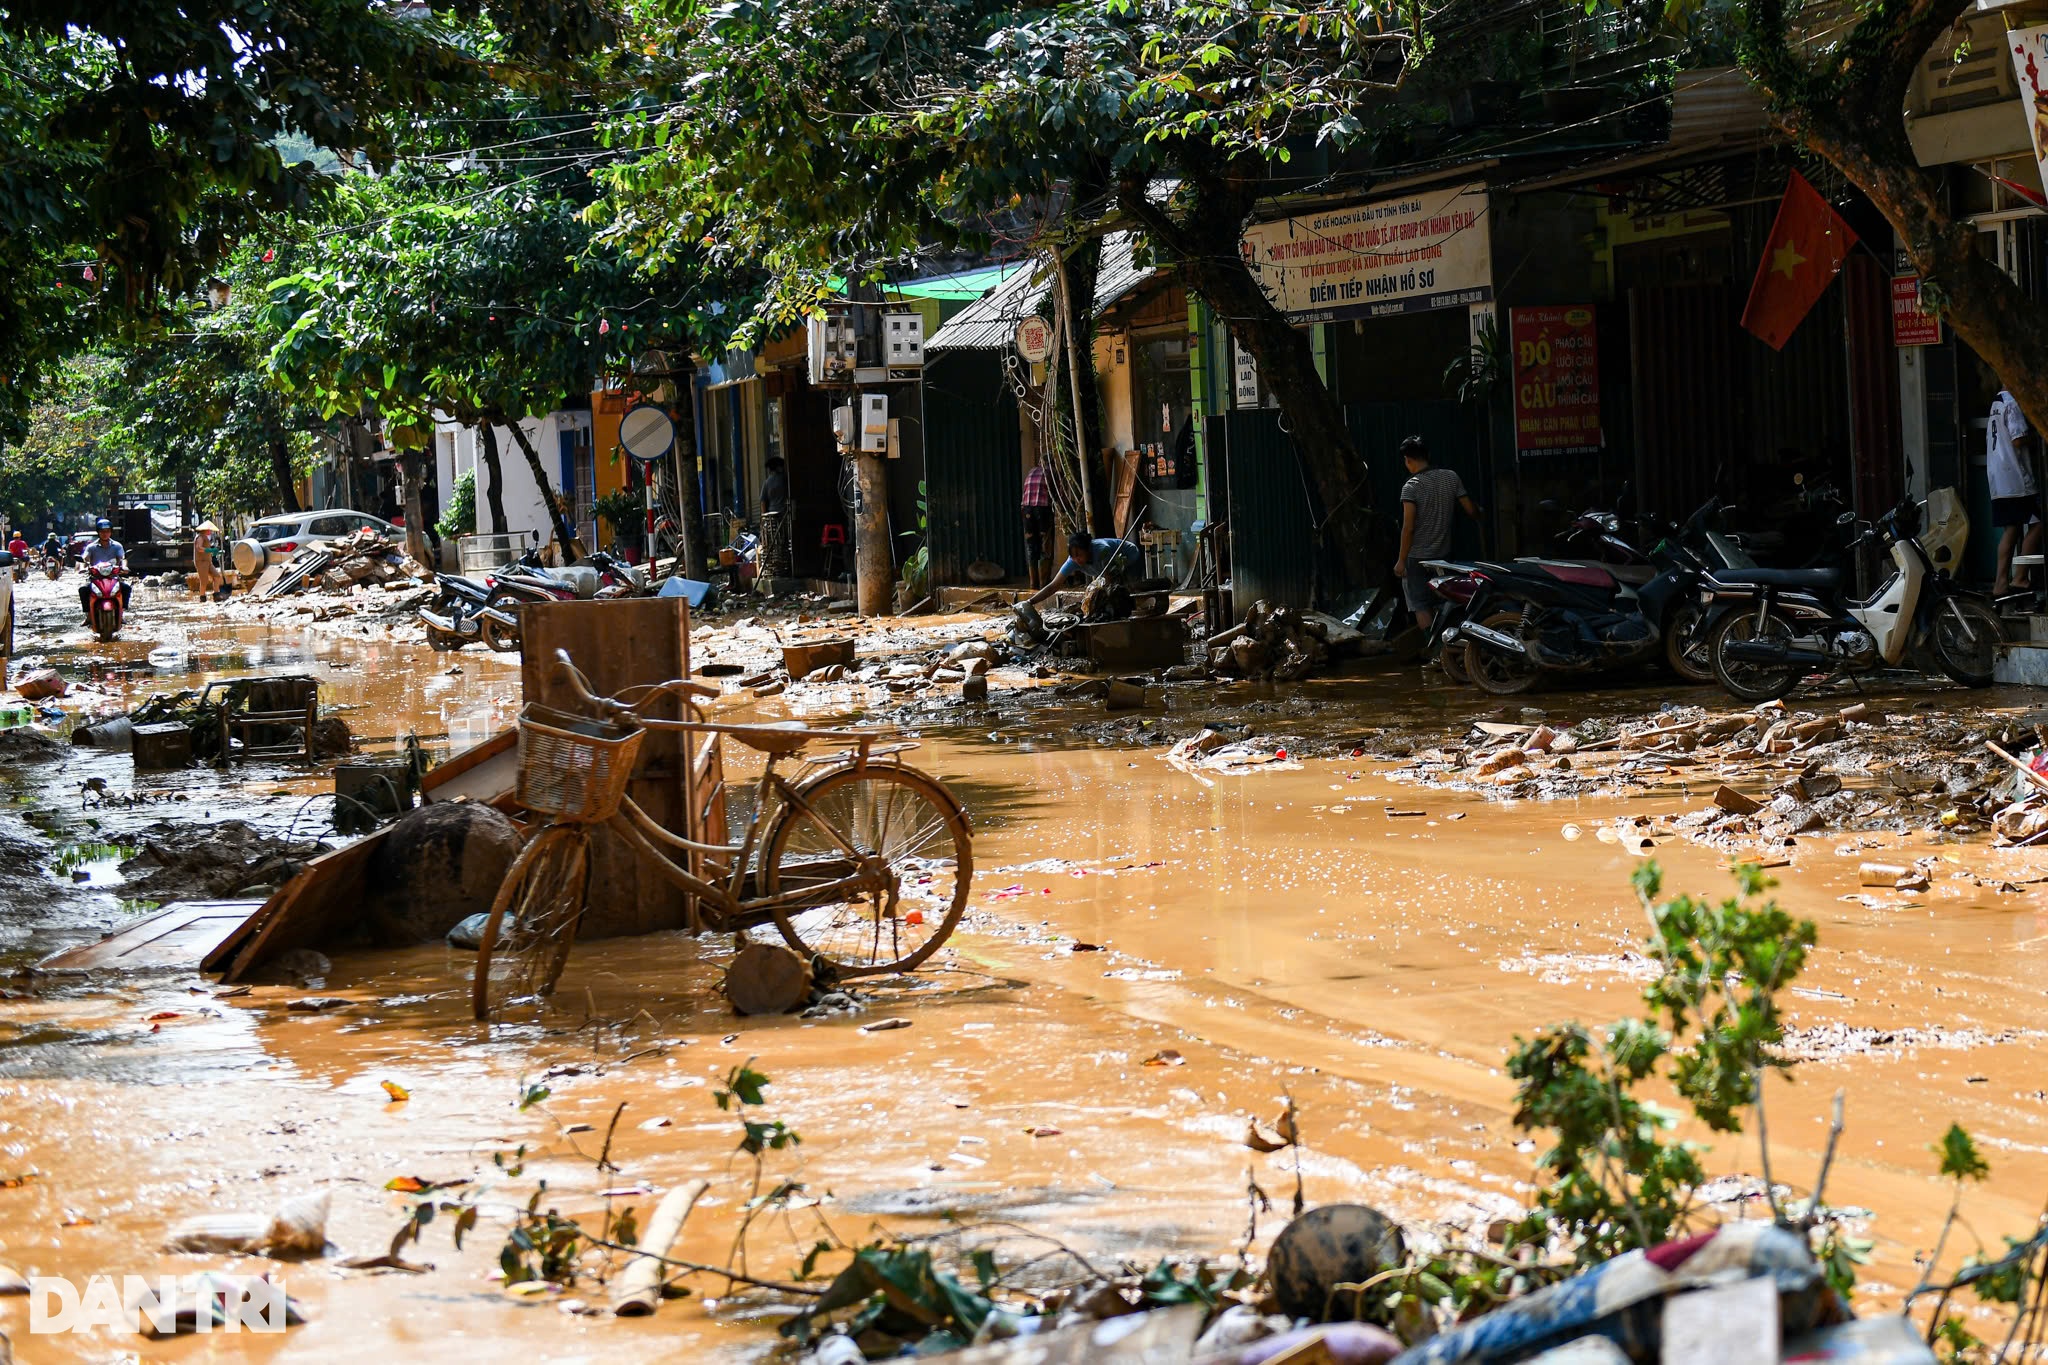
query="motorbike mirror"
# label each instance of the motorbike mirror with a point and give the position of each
(1547, 505)
(1846, 519)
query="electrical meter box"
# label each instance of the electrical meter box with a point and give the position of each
(874, 423)
(902, 340)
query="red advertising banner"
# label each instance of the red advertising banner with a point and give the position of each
(1556, 362)
(1912, 324)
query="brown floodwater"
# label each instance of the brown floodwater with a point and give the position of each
(1274, 934)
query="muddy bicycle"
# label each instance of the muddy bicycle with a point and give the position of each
(859, 861)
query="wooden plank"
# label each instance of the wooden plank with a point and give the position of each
(617, 645)
(485, 772)
(179, 935)
(305, 911)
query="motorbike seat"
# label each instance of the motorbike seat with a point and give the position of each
(1581, 575)
(1820, 580)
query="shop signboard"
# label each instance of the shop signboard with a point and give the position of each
(1245, 391)
(1555, 356)
(1429, 249)
(2030, 64)
(1913, 323)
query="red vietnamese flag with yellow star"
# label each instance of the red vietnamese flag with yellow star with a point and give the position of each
(1802, 256)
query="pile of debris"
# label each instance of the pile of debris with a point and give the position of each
(1773, 773)
(180, 861)
(363, 559)
(1280, 644)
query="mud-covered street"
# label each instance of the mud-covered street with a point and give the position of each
(1156, 953)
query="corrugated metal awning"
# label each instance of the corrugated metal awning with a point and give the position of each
(990, 323)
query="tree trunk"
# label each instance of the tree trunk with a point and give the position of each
(494, 476)
(1843, 100)
(572, 548)
(689, 506)
(1985, 305)
(281, 475)
(413, 465)
(1204, 239)
(1074, 290)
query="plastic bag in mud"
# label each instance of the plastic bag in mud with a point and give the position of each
(469, 933)
(297, 1228)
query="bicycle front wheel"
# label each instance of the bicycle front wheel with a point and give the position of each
(896, 816)
(533, 920)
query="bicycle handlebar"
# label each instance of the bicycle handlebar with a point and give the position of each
(579, 684)
(612, 706)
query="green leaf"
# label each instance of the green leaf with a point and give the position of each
(1959, 1157)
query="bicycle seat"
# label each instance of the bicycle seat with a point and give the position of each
(1818, 579)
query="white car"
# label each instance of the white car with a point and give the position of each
(274, 540)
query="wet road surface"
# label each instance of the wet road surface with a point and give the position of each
(1151, 959)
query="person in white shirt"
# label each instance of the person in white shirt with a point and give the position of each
(2015, 505)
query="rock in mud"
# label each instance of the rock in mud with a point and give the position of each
(331, 737)
(25, 745)
(1335, 1244)
(436, 867)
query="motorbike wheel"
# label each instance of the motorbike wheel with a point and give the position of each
(503, 639)
(1685, 653)
(443, 642)
(1748, 681)
(107, 626)
(1490, 670)
(1453, 660)
(1966, 635)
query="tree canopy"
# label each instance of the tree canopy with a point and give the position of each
(142, 140)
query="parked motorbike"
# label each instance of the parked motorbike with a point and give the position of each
(487, 609)
(1688, 553)
(104, 608)
(1769, 628)
(1532, 618)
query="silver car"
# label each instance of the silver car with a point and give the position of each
(273, 540)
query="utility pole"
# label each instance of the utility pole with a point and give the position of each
(874, 558)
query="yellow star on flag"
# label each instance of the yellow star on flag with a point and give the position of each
(1786, 260)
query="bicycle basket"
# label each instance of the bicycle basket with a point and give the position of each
(573, 767)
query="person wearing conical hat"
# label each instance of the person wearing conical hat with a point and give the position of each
(205, 538)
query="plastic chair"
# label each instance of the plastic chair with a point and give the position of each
(832, 549)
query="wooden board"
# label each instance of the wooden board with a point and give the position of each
(308, 910)
(617, 645)
(485, 772)
(181, 934)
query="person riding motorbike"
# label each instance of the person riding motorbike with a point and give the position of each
(53, 547)
(104, 550)
(18, 547)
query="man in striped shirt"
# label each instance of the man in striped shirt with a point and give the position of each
(1036, 505)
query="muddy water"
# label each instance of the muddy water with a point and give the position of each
(1249, 937)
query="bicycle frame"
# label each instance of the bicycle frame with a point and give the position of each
(732, 909)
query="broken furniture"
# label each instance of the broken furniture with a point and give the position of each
(275, 718)
(1134, 644)
(807, 657)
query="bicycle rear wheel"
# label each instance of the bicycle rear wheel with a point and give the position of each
(908, 822)
(533, 920)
